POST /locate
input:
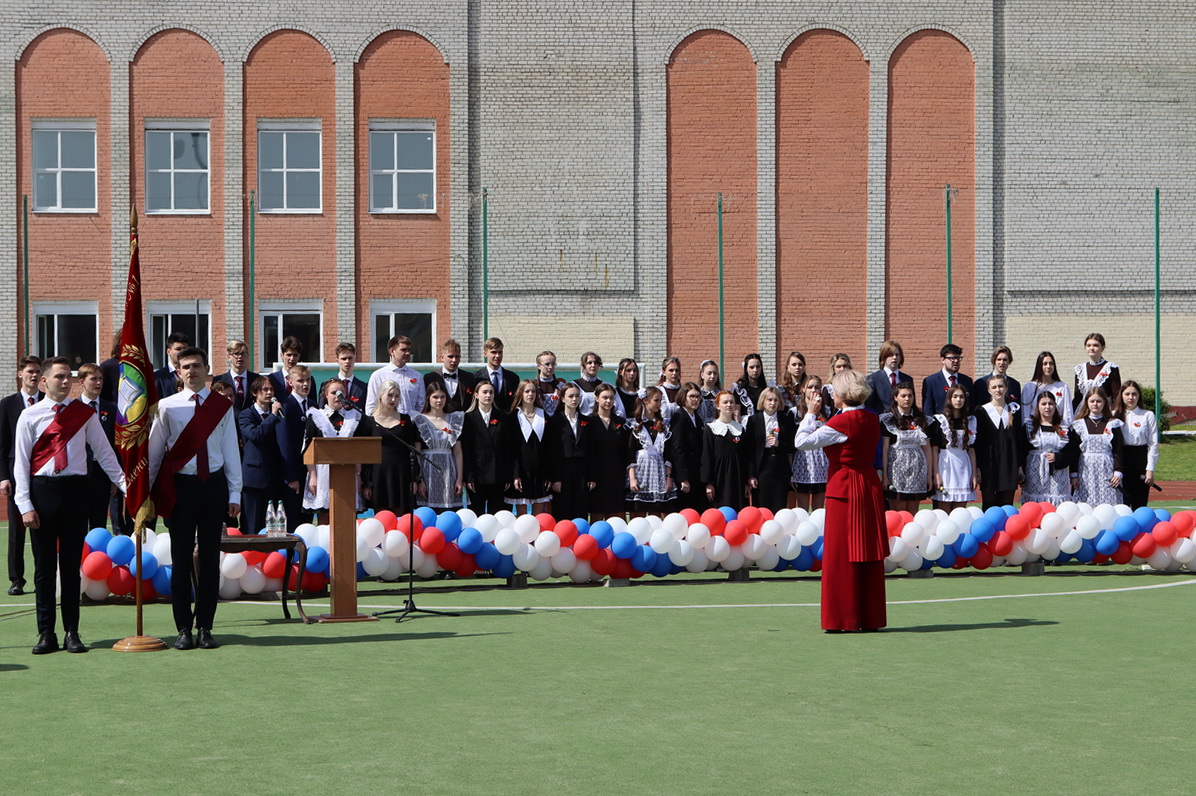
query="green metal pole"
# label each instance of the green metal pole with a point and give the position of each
(485, 267)
(1158, 337)
(950, 325)
(252, 272)
(25, 258)
(722, 366)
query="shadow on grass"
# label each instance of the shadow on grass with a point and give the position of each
(1008, 623)
(238, 640)
(12, 667)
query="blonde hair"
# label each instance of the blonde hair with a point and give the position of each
(851, 387)
(383, 389)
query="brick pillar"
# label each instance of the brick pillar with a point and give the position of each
(346, 258)
(238, 319)
(766, 213)
(120, 171)
(11, 297)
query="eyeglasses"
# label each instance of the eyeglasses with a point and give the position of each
(952, 359)
(238, 354)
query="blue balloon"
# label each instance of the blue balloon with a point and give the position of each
(643, 558)
(623, 545)
(450, 524)
(997, 517)
(427, 516)
(966, 545)
(1009, 510)
(781, 565)
(1063, 558)
(804, 560)
(317, 559)
(927, 563)
(1163, 515)
(603, 533)
(487, 556)
(1145, 518)
(121, 549)
(365, 515)
(816, 548)
(946, 560)
(470, 540)
(982, 529)
(505, 567)
(583, 525)
(161, 580)
(361, 573)
(149, 563)
(98, 538)
(1087, 552)
(728, 512)
(661, 566)
(1126, 528)
(1106, 542)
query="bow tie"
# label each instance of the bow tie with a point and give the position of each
(450, 375)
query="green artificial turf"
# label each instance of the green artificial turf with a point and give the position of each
(1177, 459)
(1077, 693)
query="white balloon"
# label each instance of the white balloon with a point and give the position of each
(375, 562)
(541, 570)
(655, 520)
(927, 519)
(233, 567)
(505, 518)
(468, 518)
(564, 561)
(1069, 511)
(324, 537)
(932, 548)
(898, 548)
(253, 581)
(661, 540)
(528, 528)
(976, 512)
(488, 526)
(682, 553)
(307, 532)
(547, 544)
(507, 541)
(962, 518)
(363, 547)
(753, 547)
(230, 589)
(84, 582)
(717, 549)
(890, 566)
(428, 567)
(372, 531)
(947, 531)
(676, 524)
(789, 547)
(525, 557)
(394, 543)
(1037, 542)
(147, 542)
(771, 532)
(807, 533)
(418, 558)
(1106, 514)
(818, 517)
(1123, 510)
(769, 560)
(913, 534)
(698, 535)
(395, 568)
(1054, 525)
(273, 584)
(1052, 550)
(1088, 526)
(1085, 508)
(1071, 543)
(735, 559)
(1160, 559)
(788, 520)
(912, 562)
(582, 573)
(1184, 551)
(98, 590)
(699, 562)
(1018, 555)
(617, 523)
(161, 550)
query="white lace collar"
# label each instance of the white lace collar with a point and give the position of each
(720, 429)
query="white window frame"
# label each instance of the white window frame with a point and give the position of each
(182, 307)
(390, 307)
(60, 126)
(56, 308)
(291, 126)
(172, 126)
(400, 126)
(276, 307)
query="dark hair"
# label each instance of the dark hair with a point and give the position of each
(718, 382)
(657, 424)
(1082, 412)
(25, 361)
(329, 382)
(1001, 349)
(1118, 406)
(192, 351)
(258, 383)
(802, 409)
(957, 419)
(624, 362)
(1038, 416)
(666, 361)
(518, 399)
(950, 350)
(433, 388)
(352, 349)
(177, 337)
(916, 417)
(590, 354)
(745, 380)
(1038, 374)
(52, 361)
(787, 384)
(1097, 336)
(887, 349)
(291, 343)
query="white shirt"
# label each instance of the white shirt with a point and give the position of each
(32, 423)
(411, 389)
(1140, 428)
(224, 452)
(813, 433)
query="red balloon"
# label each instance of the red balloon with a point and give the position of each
(691, 516)
(893, 523)
(960, 563)
(120, 581)
(906, 518)
(817, 565)
(603, 562)
(411, 526)
(1047, 508)
(97, 565)
(275, 565)
(983, 559)
(623, 569)
(293, 576)
(585, 547)
(1165, 533)
(1184, 522)
(1123, 554)
(751, 518)
(147, 590)
(1099, 558)
(467, 566)
(1032, 512)
(736, 532)
(567, 531)
(254, 556)
(1000, 544)
(86, 551)
(547, 521)
(1018, 527)
(314, 581)
(233, 532)
(432, 541)
(388, 519)
(1144, 546)
(449, 556)
(767, 514)
(714, 520)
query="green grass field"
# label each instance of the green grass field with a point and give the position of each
(1078, 681)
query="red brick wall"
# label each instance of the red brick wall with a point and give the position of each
(289, 75)
(177, 75)
(711, 82)
(64, 74)
(822, 199)
(932, 141)
(402, 76)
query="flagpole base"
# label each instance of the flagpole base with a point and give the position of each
(139, 644)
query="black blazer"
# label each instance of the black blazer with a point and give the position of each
(110, 370)
(934, 391)
(10, 409)
(755, 438)
(355, 392)
(561, 442)
(881, 397)
(979, 396)
(279, 380)
(465, 381)
(290, 439)
(687, 441)
(485, 448)
(509, 383)
(261, 458)
(240, 403)
(165, 382)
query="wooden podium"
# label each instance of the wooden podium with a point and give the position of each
(342, 455)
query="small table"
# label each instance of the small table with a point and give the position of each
(268, 544)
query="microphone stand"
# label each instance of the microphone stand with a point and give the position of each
(409, 606)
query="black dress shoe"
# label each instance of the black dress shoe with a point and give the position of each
(16, 589)
(46, 643)
(184, 641)
(206, 642)
(72, 643)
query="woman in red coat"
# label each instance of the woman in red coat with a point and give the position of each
(854, 539)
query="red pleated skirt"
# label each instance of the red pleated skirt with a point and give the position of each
(853, 593)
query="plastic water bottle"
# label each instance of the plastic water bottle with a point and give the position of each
(271, 519)
(280, 519)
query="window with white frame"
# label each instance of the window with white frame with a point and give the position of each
(68, 329)
(402, 166)
(177, 178)
(289, 166)
(283, 319)
(64, 166)
(186, 317)
(414, 318)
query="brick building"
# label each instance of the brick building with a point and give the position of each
(603, 134)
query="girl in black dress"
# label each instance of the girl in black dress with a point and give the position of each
(529, 486)
(750, 385)
(606, 444)
(687, 427)
(792, 378)
(567, 442)
(391, 484)
(486, 449)
(770, 435)
(670, 387)
(627, 382)
(1000, 446)
(710, 384)
(724, 456)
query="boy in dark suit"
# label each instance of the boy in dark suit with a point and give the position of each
(291, 351)
(889, 375)
(261, 462)
(935, 386)
(102, 493)
(355, 388)
(290, 443)
(505, 382)
(452, 380)
(238, 376)
(166, 378)
(29, 374)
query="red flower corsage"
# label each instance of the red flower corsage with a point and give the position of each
(412, 380)
(1063, 433)
(582, 423)
(1137, 425)
(494, 421)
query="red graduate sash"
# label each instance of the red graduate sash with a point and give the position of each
(194, 434)
(66, 423)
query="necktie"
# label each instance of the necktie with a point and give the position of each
(59, 457)
(952, 381)
(29, 402)
(893, 379)
(95, 406)
(240, 390)
(496, 380)
(201, 456)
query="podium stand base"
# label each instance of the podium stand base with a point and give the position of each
(139, 644)
(346, 618)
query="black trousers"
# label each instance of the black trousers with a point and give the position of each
(98, 495)
(16, 543)
(199, 510)
(998, 499)
(254, 503)
(292, 504)
(487, 499)
(58, 544)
